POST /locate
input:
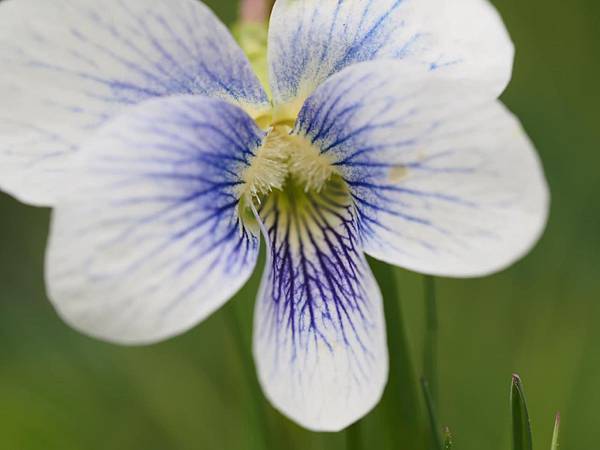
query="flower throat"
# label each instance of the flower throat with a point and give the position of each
(290, 169)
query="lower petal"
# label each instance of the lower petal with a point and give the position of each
(319, 343)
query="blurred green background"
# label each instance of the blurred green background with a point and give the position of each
(60, 390)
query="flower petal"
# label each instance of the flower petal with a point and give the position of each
(319, 334)
(311, 40)
(446, 182)
(152, 243)
(68, 66)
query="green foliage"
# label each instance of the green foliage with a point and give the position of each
(521, 425)
(252, 38)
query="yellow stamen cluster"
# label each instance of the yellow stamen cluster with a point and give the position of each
(267, 171)
(308, 166)
(283, 155)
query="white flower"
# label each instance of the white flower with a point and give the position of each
(141, 123)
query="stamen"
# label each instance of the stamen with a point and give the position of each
(267, 171)
(284, 162)
(310, 167)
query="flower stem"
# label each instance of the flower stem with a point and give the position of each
(430, 361)
(254, 11)
(402, 394)
(258, 415)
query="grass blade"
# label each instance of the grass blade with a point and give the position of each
(430, 350)
(401, 400)
(354, 437)
(522, 439)
(258, 413)
(433, 421)
(556, 433)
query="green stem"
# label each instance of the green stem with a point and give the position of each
(254, 11)
(402, 394)
(354, 437)
(243, 347)
(430, 360)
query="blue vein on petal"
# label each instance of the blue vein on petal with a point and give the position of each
(163, 72)
(344, 118)
(199, 206)
(316, 297)
(146, 67)
(373, 37)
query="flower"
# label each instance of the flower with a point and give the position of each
(141, 124)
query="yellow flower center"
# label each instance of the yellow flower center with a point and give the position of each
(284, 157)
(286, 166)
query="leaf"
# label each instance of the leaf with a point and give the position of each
(522, 439)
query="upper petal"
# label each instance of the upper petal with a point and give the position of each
(311, 40)
(68, 66)
(319, 334)
(445, 180)
(151, 242)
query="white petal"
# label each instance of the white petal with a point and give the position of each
(446, 181)
(319, 333)
(68, 66)
(311, 40)
(152, 243)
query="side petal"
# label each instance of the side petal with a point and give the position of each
(445, 181)
(152, 243)
(319, 333)
(68, 66)
(310, 40)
